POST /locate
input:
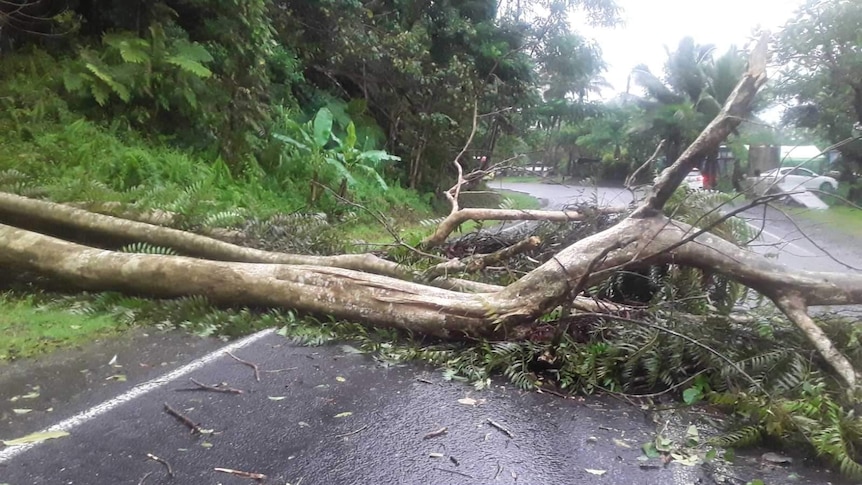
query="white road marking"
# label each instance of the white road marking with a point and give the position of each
(799, 249)
(133, 393)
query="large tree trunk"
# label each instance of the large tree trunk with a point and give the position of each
(347, 286)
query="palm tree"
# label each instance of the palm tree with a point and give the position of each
(691, 92)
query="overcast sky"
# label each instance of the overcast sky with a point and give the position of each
(650, 25)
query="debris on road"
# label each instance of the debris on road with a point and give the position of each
(163, 462)
(434, 434)
(240, 473)
(250, 364)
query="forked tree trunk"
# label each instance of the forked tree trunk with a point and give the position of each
(343, 286)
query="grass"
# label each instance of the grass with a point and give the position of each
(30, 331)
(847, 220)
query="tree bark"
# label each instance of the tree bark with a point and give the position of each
(346, 286)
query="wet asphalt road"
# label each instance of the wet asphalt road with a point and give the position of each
(293, 424)
(328, 415)
(332, 416)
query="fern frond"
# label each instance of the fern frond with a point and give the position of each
(146, 248)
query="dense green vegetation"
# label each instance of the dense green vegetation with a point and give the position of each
(261, 115)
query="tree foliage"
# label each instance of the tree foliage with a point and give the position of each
(821, 51)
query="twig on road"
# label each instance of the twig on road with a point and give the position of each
(163, 462)
(203, 387)
(455, 472)
(345, 435)
(250, 364)
(501, 428)
(144, 478)
(240, 473)
(434, 434)
(196, 428)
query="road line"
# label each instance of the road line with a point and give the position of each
(803, 252)
(133, 393)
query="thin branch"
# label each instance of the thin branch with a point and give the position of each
(185, 420)
(794, 307)
(250, 364)
(242, 474)
(501, 428)
(381, 219)
(630, 180)
(357, 431)
(203, 387)
(163, 462)
(453, 220)
(478, 262)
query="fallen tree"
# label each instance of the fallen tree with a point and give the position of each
(379, 292)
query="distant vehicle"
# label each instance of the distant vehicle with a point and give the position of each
(800, 177)
(694, 179)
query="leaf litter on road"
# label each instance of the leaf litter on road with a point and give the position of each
(35, 438)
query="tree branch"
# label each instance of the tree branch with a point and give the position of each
(453, 220)
(478, 262)
(794, 307)
(734, 110)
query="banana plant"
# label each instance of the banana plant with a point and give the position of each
(317, 140)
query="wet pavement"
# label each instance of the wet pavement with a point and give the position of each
(329, 415)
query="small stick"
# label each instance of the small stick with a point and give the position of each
(501, 428)
(552, 392)
(240, 473)
(183, 419)
(423, 380)
(456, 472)
(204, 387)
(275, 371)
(345, 435)
(434, 434)
(250, 364)
(144, 478)
(163, 462)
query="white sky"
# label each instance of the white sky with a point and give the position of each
(650, 25)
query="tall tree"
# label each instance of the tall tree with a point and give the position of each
(690, 94)
(821, 79)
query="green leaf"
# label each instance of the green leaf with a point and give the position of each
(375, 175)
(650, 450)
(375, 157)
(101, 73)
(192, 51)
(291, 141)
(100, 93)
(691, 395)
(322, 127)
(341, 169)
(189, 65)
(35, 438)
(350, 141)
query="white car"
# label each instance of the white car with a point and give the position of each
(694, 180)
(800, 177)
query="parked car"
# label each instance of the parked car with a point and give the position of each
(694, 179)
(800, 177)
